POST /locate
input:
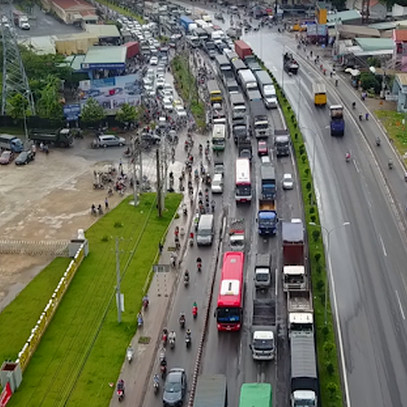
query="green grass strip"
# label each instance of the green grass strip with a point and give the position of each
(124, 11)
(187, 87)
(328, 369)
(84, 346)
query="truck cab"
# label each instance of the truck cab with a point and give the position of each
(267, 217)
(262, 271)
(263, 345)
(282, 143)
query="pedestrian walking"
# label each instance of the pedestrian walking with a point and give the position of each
(33, 149)
(106, 204)
(160, 247)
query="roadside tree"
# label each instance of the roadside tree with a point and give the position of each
(92, 113)
(17, 107)
(128, 114)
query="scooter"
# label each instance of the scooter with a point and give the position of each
(156, 384)
(172, 343)
(129, 354)
(140, 322)
(188, 341)
(120, 394)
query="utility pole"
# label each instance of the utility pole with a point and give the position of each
(118, 294)
(133, 161)
(159, 194)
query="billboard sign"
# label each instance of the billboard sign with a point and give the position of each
(111, 93)
(72, 112)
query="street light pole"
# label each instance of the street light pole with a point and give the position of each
(328, 255)
(313, 145)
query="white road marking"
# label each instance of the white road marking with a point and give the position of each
(401, 308)
(383, 246)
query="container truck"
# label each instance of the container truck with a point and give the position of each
(337, 123)
(282, 143)
(247, 80)
(242, 49)
(268, 181)
(300, 312)
(262, 271)
(267, 89)
(12, 143)
(211, 391)
(60, 138)
(290, 64)
(256, 395)
(267, 217)
(260, 122)
(294, 276)
(187, 23)
(304, 379)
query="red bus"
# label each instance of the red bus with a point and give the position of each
(229, 312)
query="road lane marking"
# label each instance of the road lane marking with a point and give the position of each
(356, 166)
(401, 308)
(383, 246)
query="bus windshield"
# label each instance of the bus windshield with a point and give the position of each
(243, 190)
(226, 315)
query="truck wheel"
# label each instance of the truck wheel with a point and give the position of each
(121, 144)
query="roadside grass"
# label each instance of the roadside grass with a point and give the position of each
(396, 127)
(331, 394)
(122, 10)
(20, 316)
(84, 346)
(187, 87)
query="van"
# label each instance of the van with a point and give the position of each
(205, 230)
(110, 140)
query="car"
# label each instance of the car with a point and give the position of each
(219, 16)
(153, 61)
(110, 140)
(218, 168)
(217, 184)
(166, 94)
(24, 158)
(175, 388)
(180, 111)
(262, 148)
(265, 159)
(167, 104)
(160, 70)
(160, 82)
(6, 157)
(288, 181)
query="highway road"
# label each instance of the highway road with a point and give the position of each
(225, 352)
(368, 256)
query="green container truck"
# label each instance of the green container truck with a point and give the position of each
(256, 395)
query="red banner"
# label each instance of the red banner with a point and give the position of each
(5, 395)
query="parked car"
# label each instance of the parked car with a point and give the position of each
(6, 157)
(110, 140)
(217, 184)
(288, 181)
(24, 158)
(175, 388)
(262, 148)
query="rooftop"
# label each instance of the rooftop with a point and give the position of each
(358, 30)
(106, 55)
(102, 30)
(400, 35)
(73, 4)
(375, 44)
(343, 16)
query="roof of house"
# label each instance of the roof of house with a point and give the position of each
(344, 16)
(102, 30)
(387, 25)
(400, 35)
(375, 44)
(73, 4)
(106, 55)
(358, 30)
(402, 78)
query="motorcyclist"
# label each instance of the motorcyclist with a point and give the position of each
(188, 333)
(146, 301)
(182, 319)
(172, 336)
(186, 275)
(156, 380)
(140, 319)
(199, 263)
(194, 309)
(347, 156)
(165, 335)
(120, 386)
(390, 164)
(353, 105)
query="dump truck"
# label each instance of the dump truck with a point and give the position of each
(60, 138)
(256, 395)
(267, 217)
(237, 235)
(262, 271)
(211, 391)
(294, 273)
(300, 312)
(290, 64)
(304, 379)
(263, 330)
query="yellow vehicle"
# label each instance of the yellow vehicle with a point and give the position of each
(319, 91)
(215, 92)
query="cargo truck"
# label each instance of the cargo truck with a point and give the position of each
(247, 80)
(243, 50)
(60, 138)
(256, 395)
(268, 181)
(267, 89)
(337, 122)
(319, 91)
(262, 271)
(300, 312)
(260, 123)
(12, 143)
(304, 379)
(236, 235)
(282, 143)
(211, 391)
(290, 64)
(294, 275)
(187, 24)
(21, 20)
(240, 130)
(267, 217)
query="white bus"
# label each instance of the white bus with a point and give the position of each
(219, 137)
(243, 191)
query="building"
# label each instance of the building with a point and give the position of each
(105, 61)
(400, 50)
(72, 11)
(400, 90)
(106, 33)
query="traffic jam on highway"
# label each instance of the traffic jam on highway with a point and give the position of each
(250, 288)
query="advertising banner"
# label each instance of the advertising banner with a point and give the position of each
(111, 93)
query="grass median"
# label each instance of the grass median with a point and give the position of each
(84, 346)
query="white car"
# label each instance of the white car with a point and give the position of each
(153, 61)
(160, 83)
(160, 70)
(288, 181)
(166, 94)
(180, 111)
(265, 159)
(167, 104)
(217, 184)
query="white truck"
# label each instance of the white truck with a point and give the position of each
(300, 312)
(21, 20)
(262, 271)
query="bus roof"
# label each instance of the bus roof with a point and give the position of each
(231, 286)
(242, 170)
(213, 86)
(336, 107)
(219, 131)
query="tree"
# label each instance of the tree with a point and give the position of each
(17, 107)
(369, 81)
(339, 4)
(127, 114)
(48, 105)
(92, 112)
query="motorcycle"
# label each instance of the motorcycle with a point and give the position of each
(182, 322)
(163, 369)
(172, 343)
(191, 241)
(156, 384)
(188, 340)
(129, 354)
(390, 164)
(140, 321)
(199, 266)
(347, 157)
(120, 395)
(186, 280)
(195, 311)
(378, 141)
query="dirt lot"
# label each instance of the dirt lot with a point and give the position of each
(48, 199)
